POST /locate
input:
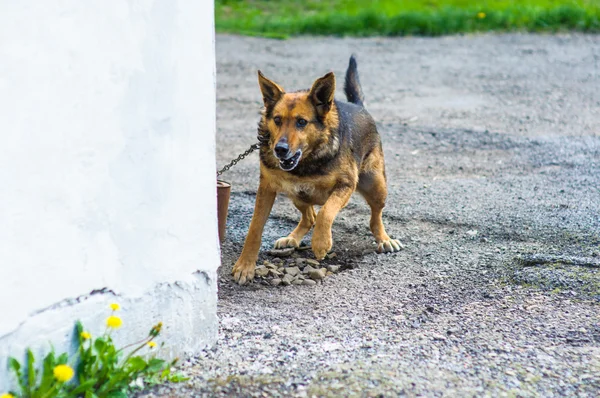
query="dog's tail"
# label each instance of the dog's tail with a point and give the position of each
(352, 87)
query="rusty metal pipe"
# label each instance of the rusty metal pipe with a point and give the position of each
(223, 193)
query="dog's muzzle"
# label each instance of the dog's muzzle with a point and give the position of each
(290, 162)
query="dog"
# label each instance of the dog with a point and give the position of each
(320, 151)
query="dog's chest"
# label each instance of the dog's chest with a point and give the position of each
(304, 192)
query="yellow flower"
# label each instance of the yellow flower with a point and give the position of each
(7, 395)
(115, 307)
(152, 344)
(86, 335)
(481, 15)
(63, 373)
(114, 322)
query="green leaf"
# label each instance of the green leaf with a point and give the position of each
(63, 359)
(116, 394)
(137, 364)
(83, 387)
(30, 372)
(49, 361)
(47, 373)
(15, 366)
(177, 378)
(165, 373)
(155, 365)
(99, 345)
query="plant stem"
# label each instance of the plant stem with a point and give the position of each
(144, 341)
(149, 339)
(50, 391)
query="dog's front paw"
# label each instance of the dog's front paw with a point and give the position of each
(321, 244)
(243, 271)
(389, 246)
(285, 242)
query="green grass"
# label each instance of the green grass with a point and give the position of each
(283, 18)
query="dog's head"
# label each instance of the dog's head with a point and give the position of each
(297, 122)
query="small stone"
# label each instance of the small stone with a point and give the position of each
(309, 282)
(287, 279)
(277, 261)
(298, 282)
(310, 261)
(261, 271)
(308, 269)
(329, 273)
(304, 246)
(281, 252)
(333, 268)
(331, 255)
(275, 282)
(317, 274)
(270, 265)
(300, 262)
(293, 271)
(275, 273)
(438, 337)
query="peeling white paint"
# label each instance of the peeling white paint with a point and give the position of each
(107, 169)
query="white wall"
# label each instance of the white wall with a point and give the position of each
(107, 169)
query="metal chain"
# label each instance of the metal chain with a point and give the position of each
(262, 140)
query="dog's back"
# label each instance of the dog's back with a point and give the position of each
(357, 129)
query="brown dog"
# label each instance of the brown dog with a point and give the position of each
(320, 151)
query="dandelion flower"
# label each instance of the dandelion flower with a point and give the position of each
(156, 329)
(152, 344)
(7, 395)
(115, 307)
(481, 15)
(114, 322)
(86, 335)
(63, 373)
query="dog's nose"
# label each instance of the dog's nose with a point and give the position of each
(282, 148)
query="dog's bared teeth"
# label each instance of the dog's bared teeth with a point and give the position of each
(291, 162)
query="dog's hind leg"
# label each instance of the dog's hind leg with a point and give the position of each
(306, 223)
(372, 186)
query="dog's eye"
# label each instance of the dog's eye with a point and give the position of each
(277, 120)
(301, 123)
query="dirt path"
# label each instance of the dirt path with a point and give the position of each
(492, 147)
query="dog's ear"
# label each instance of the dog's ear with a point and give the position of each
(322, 92)
(271, 91)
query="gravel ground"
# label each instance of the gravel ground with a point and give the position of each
(492, 146)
